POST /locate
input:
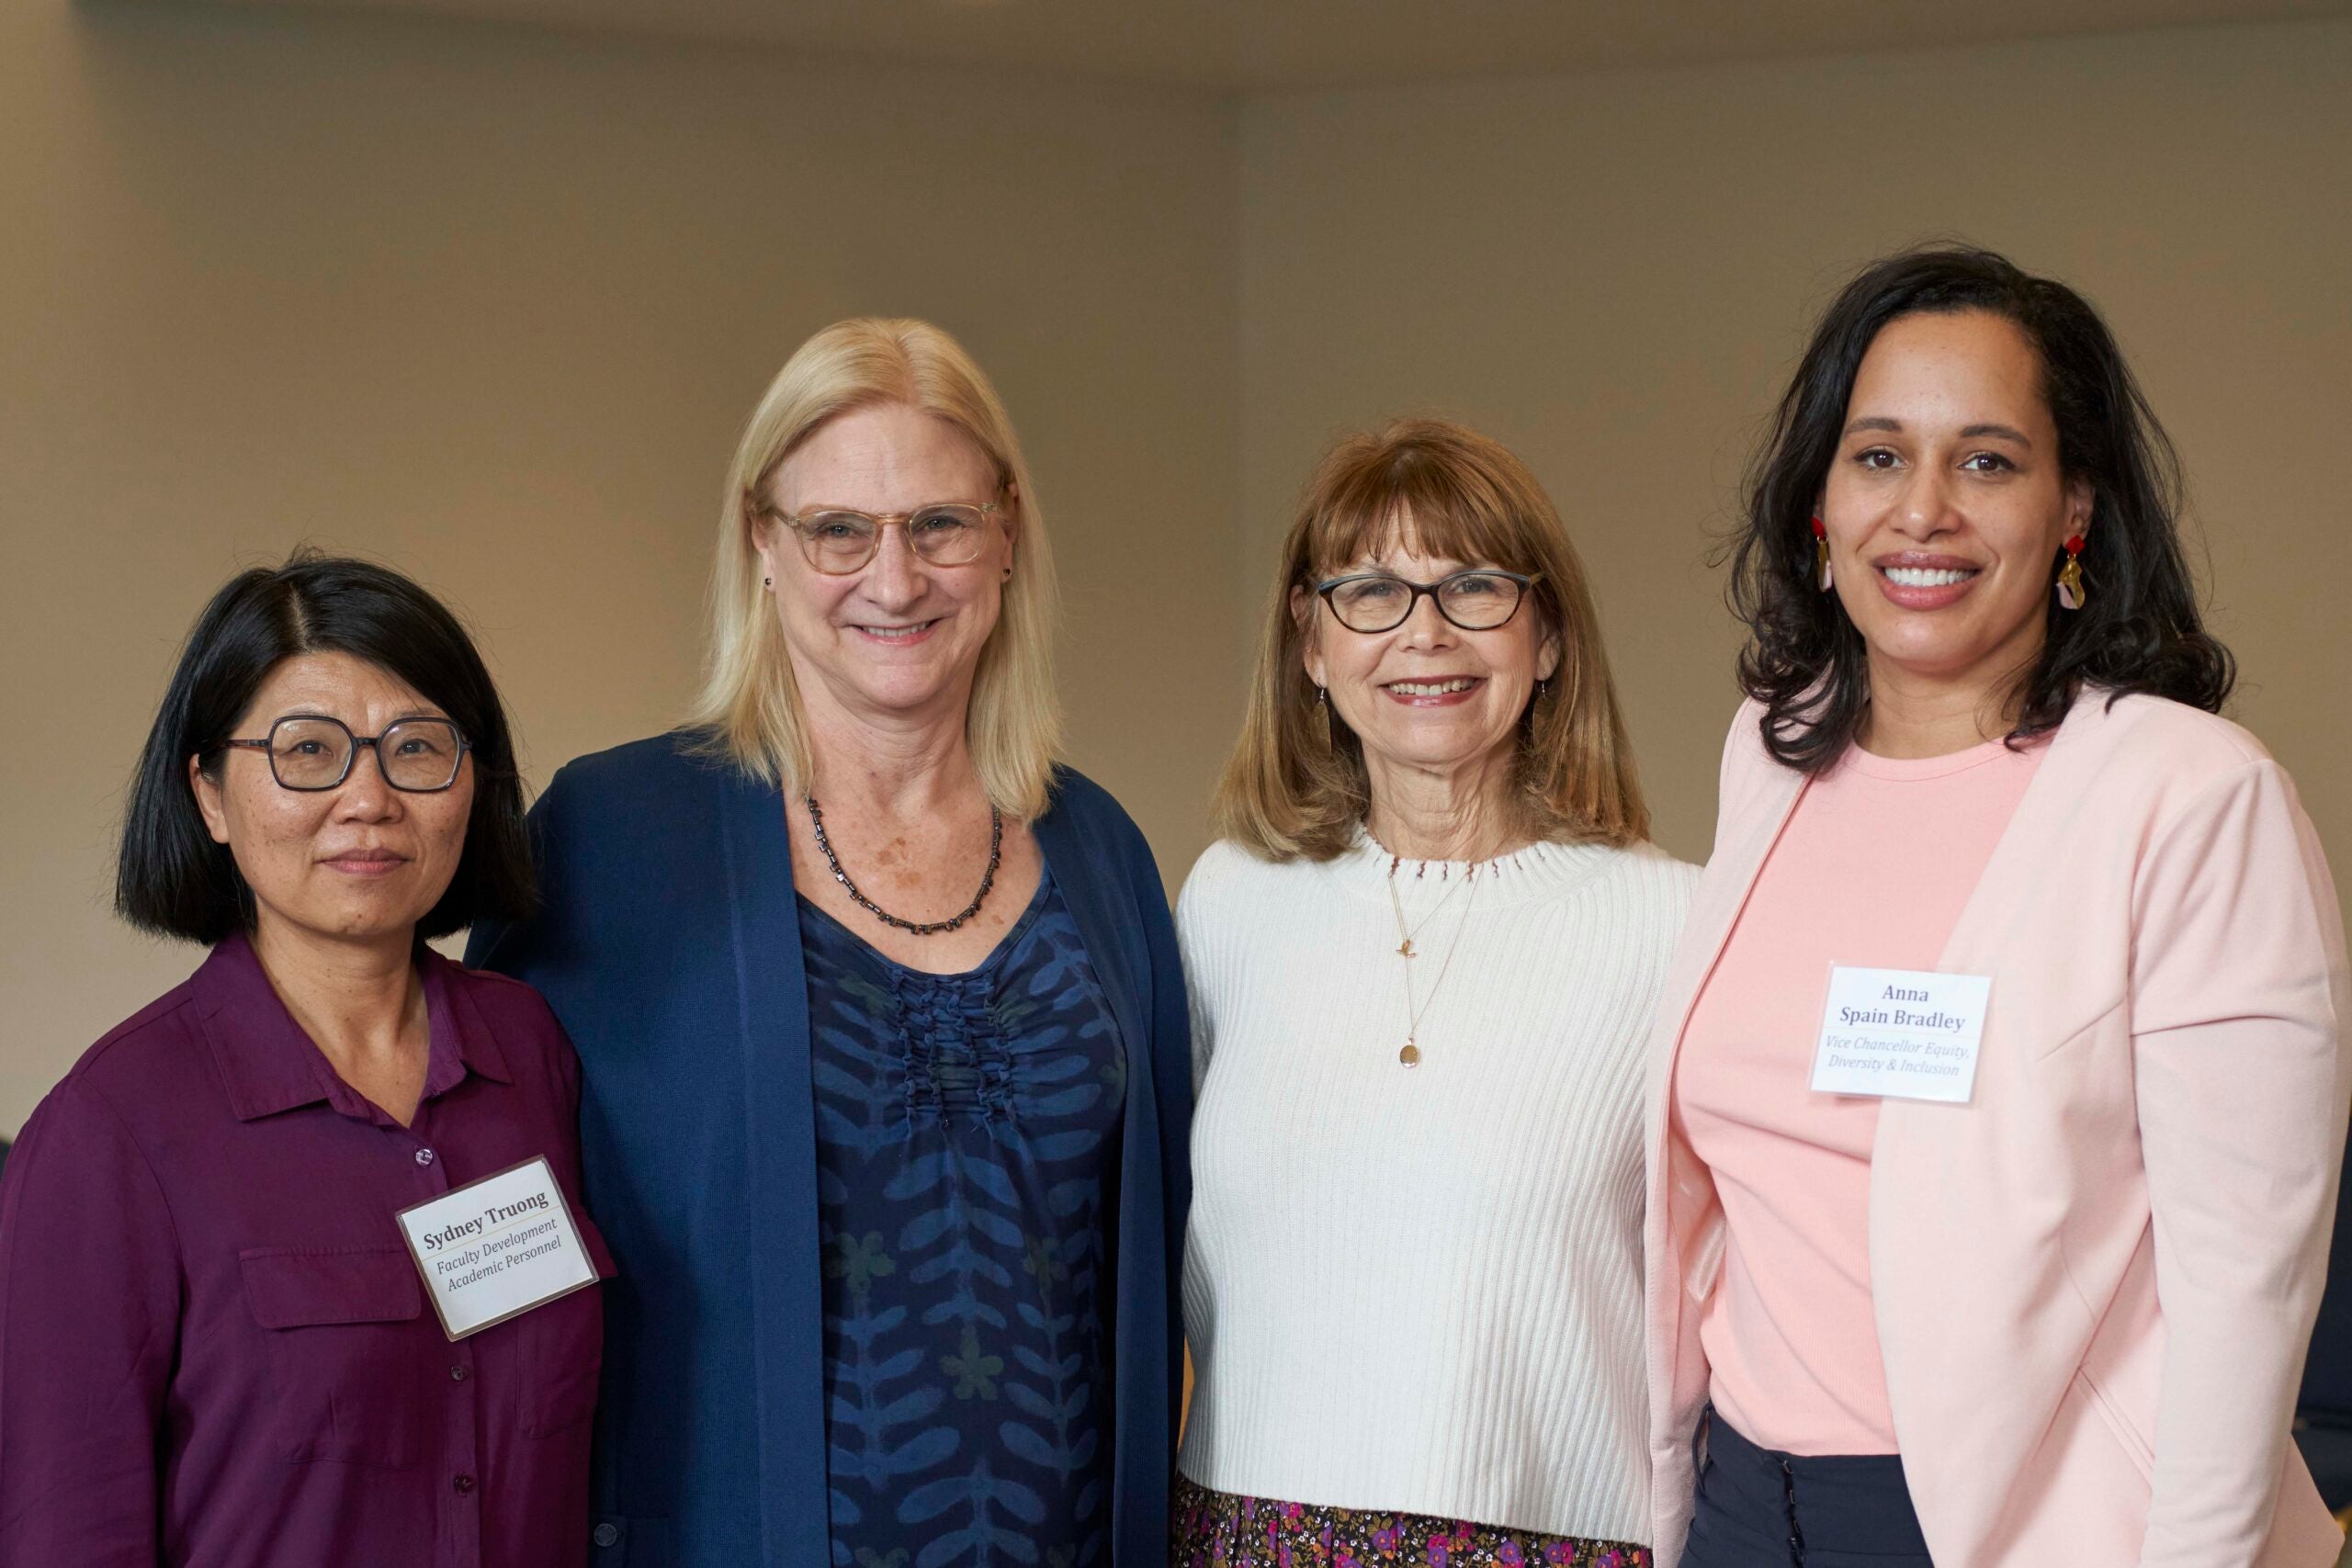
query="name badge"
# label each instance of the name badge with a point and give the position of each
(495, 1248)
(1908, 1034)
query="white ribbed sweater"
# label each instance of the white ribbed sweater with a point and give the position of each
(1421, 1289)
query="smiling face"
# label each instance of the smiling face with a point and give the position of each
(1946, 505)
(1427, 696)
(899, 636)
(362, 862)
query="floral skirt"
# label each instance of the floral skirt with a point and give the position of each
(1217, 1529)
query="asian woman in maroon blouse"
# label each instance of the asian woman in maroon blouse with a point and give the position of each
(214, 1347)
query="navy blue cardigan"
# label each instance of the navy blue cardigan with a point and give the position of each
(670, 947)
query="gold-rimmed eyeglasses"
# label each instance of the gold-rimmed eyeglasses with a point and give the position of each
(838, 541)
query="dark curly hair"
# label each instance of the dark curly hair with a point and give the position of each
(2139, 628)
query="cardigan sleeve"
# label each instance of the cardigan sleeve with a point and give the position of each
(1172, 1091)
(517, 948)
(2238, 990)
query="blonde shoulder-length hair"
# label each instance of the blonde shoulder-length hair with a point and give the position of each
(749, 706)
(1297, 786)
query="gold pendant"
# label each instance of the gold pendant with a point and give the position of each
(1410, 1056)
(2070, 584)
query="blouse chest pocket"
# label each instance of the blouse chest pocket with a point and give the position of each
(561, 1347)
(347, 1353)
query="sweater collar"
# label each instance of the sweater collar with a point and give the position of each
(1536, 874)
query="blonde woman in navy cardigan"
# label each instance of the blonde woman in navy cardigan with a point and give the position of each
(882, 1029)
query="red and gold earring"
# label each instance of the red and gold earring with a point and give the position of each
(1820, 554)
(2070, 575)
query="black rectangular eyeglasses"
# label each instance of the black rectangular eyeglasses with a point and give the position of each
(1478, 599)
(421, 756)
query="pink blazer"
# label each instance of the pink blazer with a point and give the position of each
(2093, 1283)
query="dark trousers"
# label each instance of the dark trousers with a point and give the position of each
(1760, 1509)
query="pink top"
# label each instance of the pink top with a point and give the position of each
(1872, 868)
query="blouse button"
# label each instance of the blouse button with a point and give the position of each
(458, 1372)
(424, 1156)
(608, 1534)
(464, 1483)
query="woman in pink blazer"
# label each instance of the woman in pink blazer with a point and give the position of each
(2000, 1090)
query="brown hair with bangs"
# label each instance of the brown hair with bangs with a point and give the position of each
(1296, 786)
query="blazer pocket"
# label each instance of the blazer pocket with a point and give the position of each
(346, 1352)
(562, 1346)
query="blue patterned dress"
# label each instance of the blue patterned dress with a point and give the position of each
(968, 1139)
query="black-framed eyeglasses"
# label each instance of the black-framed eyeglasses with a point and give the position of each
(1478, 599)
(838, 541)
(421, 756)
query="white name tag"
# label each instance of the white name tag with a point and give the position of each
(495, 1248)
(1910, 1033)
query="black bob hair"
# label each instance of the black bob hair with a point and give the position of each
(2139, 628)
(174, 880)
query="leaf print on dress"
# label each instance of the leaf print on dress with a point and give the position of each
(958, 1185)
(857, 1107)
(967, 1147)
(976, 1500)
(859, 1418)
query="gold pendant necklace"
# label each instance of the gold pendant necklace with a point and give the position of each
(1410, 1054)
(1405, 948)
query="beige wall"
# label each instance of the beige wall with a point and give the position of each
(492, 306)
(1614, 274)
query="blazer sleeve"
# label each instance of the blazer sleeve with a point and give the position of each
(89, 1327)
(2238, 994)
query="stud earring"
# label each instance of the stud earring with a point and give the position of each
(2070, 575)
(1820, 554)
(767, 582)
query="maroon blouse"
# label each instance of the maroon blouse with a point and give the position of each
(214, 1348)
